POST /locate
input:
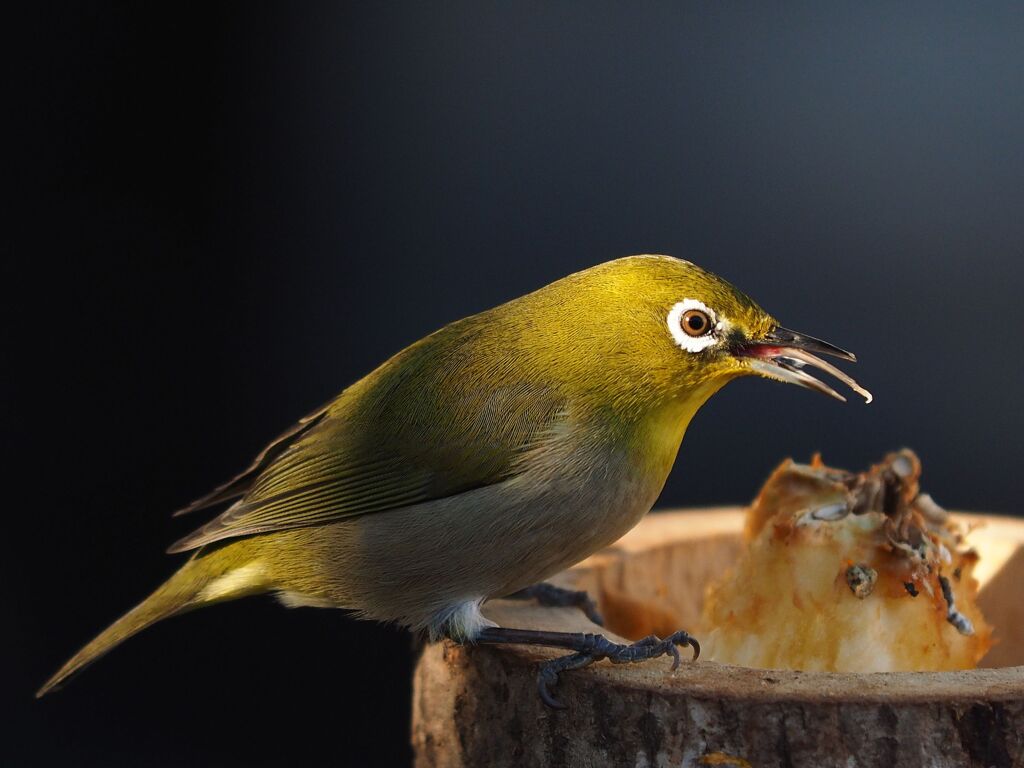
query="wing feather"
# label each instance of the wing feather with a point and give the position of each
(240, 483)
(365, 454)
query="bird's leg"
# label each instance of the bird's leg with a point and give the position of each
(558, 597)
(587, 648)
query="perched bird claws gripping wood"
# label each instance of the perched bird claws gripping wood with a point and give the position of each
(587, 648)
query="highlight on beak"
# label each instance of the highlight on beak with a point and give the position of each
(782, 355)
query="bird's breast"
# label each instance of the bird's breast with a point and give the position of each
(591, 488)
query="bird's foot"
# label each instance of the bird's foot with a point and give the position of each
(649, 647)
(587, 648)
(551, 596)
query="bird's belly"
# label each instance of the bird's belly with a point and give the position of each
(410, 565)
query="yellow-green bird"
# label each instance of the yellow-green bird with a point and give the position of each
(485, 458)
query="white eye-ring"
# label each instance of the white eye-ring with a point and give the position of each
(693, 324)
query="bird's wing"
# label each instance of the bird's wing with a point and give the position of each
(404, 435)
(243, 481)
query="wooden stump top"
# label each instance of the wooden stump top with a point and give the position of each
(478, 706)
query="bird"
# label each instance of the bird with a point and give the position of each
(483, 459)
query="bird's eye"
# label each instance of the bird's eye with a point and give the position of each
(694, 325)
(695, 322)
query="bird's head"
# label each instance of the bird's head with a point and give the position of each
(682, 332)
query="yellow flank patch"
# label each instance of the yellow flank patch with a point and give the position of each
(234, 583)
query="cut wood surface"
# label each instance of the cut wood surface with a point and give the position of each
(478, 706)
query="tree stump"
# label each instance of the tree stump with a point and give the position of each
(478, 706)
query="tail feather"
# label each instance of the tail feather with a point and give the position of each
(207, 578)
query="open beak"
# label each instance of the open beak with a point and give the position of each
(782, 355)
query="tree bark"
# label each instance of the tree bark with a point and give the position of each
(478, 706)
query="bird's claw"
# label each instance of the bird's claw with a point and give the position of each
(546, 677)
(597, 647)
(682, 638)
(548, 673)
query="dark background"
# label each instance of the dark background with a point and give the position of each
(221, 215)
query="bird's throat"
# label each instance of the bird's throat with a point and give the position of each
(661, 433)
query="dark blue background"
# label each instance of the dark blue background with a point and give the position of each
(222, 215)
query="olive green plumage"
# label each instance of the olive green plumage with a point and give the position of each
(461, 408)
(482, 458)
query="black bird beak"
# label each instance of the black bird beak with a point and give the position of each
(782, 355)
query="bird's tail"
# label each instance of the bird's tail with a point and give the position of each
(223, 573)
